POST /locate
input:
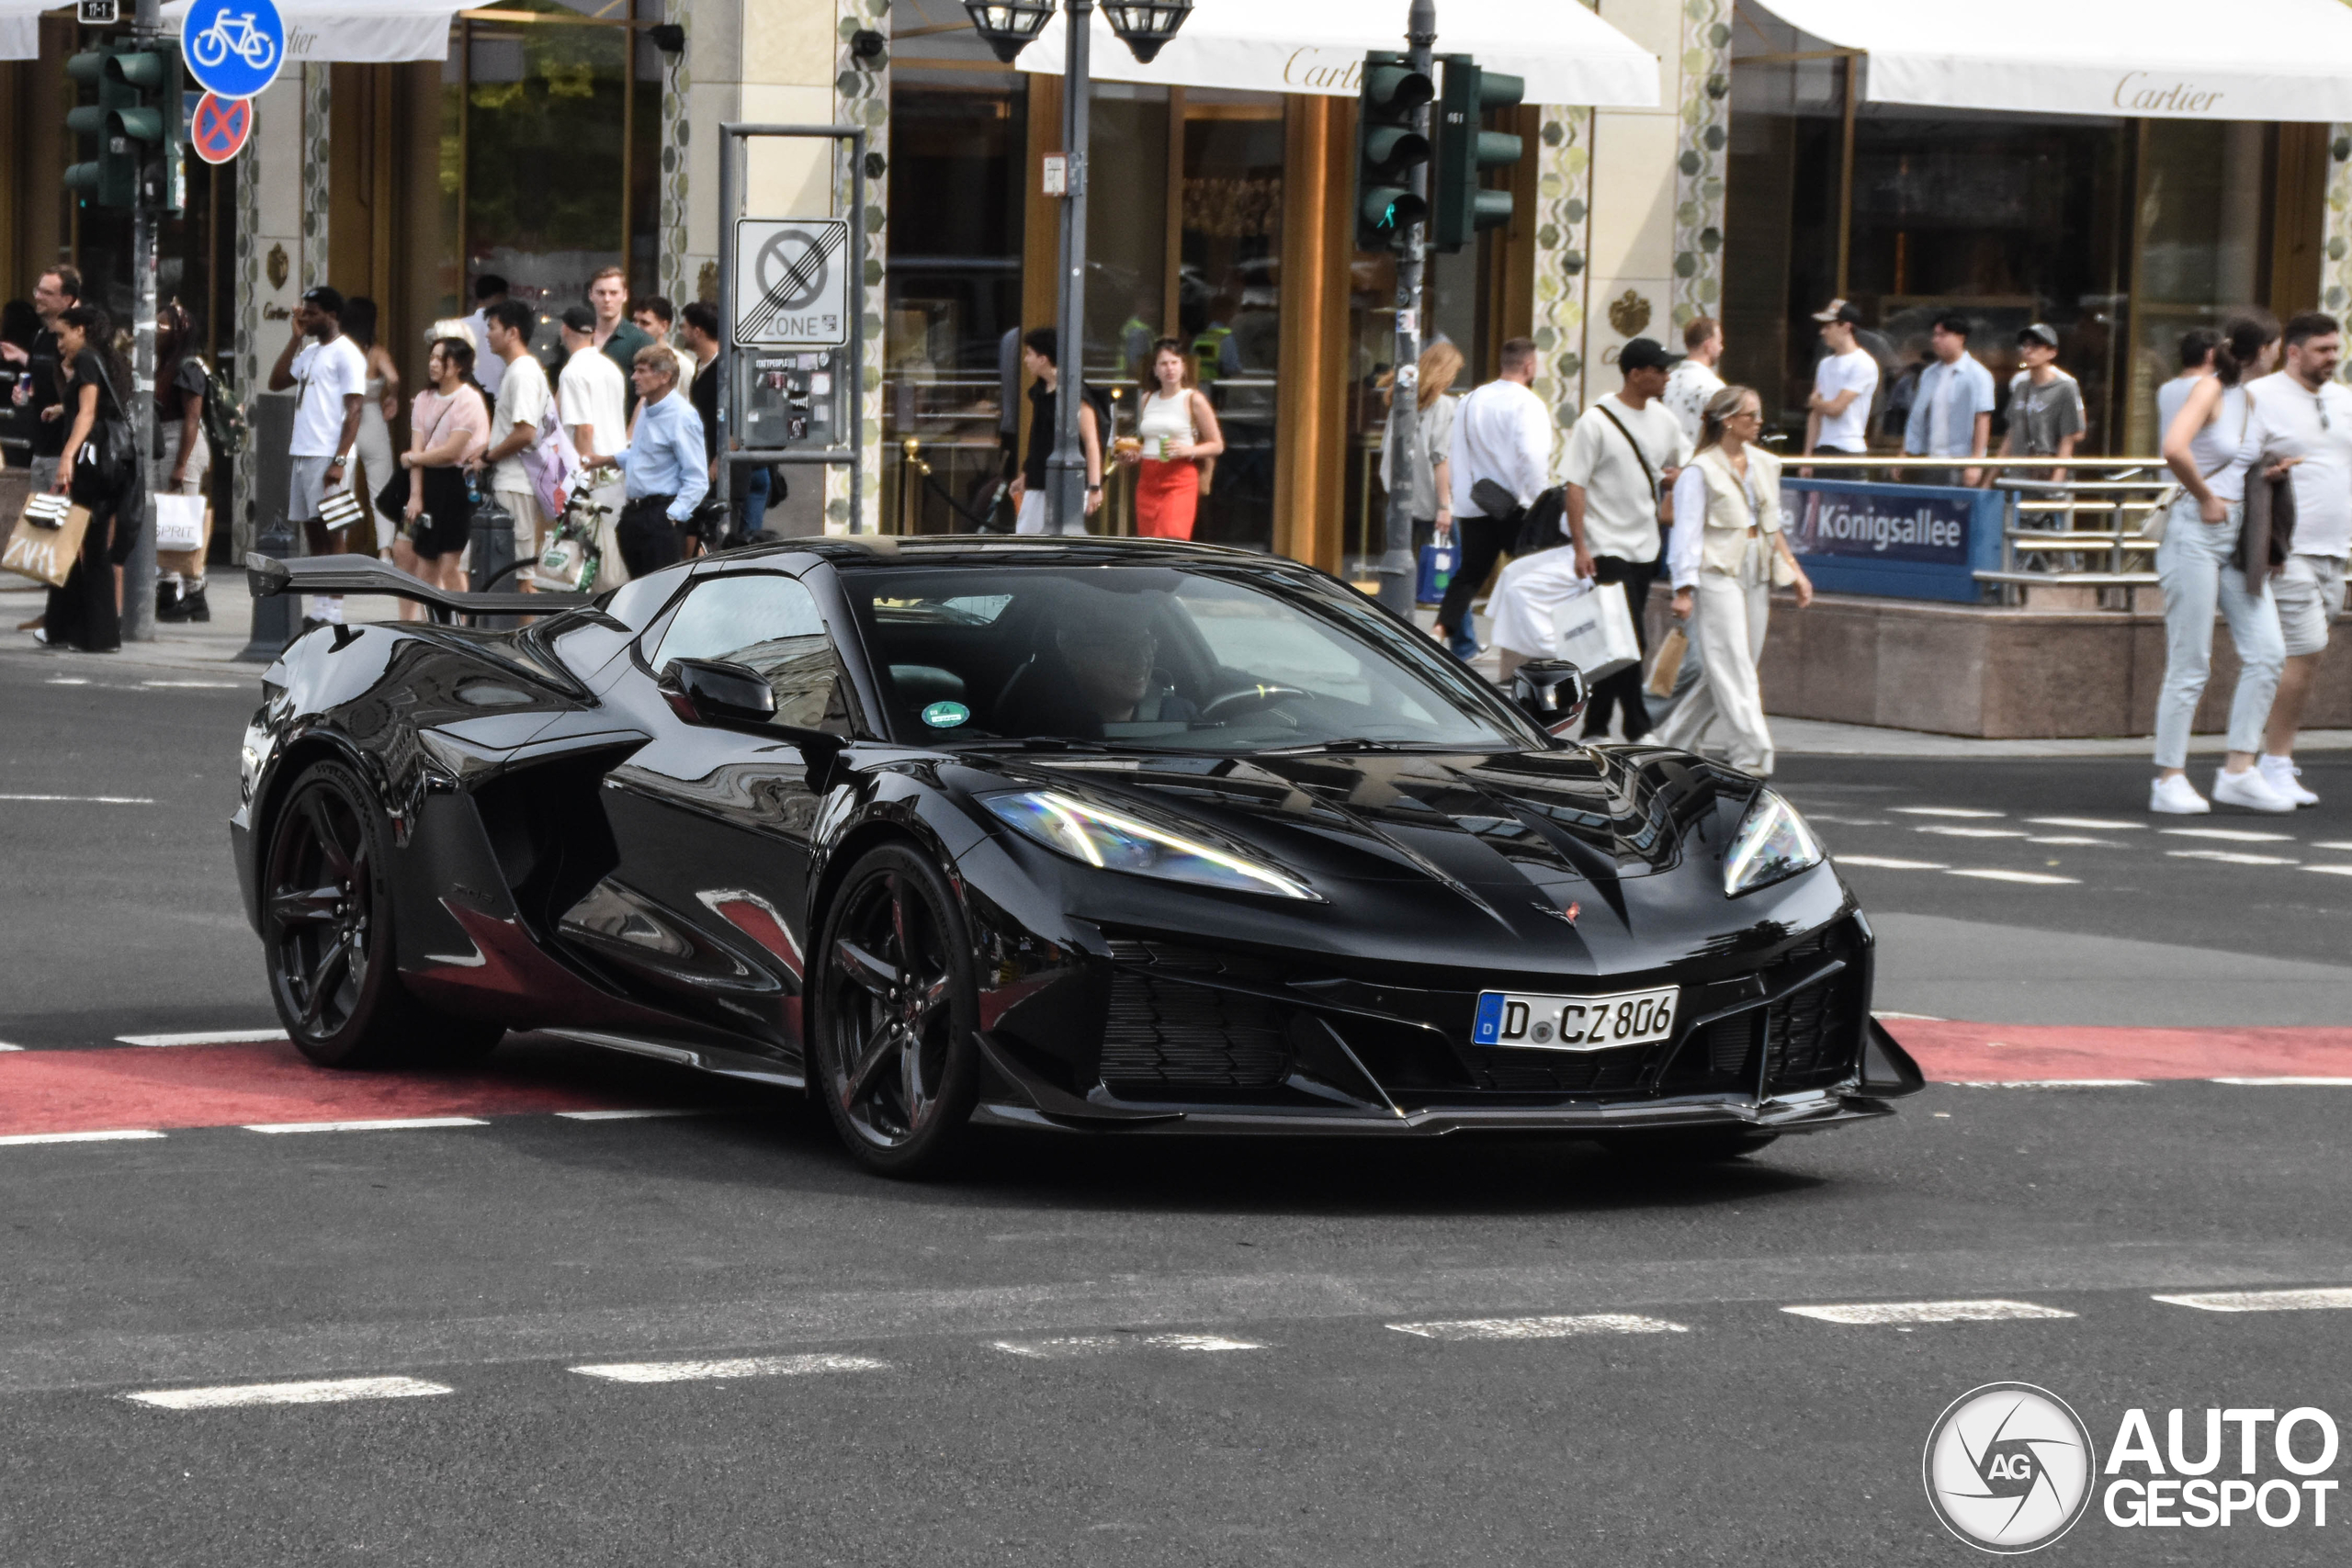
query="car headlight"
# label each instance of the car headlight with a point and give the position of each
(1772, 845)
(1116, 841)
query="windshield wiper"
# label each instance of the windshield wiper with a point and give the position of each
(1358, 743)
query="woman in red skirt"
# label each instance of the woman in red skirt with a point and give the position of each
(1178, 430)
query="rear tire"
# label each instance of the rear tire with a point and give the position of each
(897, 1006)
(327, 934)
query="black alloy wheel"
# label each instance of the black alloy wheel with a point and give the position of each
(327, 931)
(896, 1010)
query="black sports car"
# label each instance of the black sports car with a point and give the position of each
(1088, 835)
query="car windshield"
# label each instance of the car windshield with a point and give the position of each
(1189, 659)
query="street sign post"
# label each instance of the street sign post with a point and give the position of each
(219, 127)
(234, 47)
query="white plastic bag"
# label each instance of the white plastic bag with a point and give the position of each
(1596, 632)
(179, 522)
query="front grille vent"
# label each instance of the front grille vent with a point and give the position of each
(1164, 1033)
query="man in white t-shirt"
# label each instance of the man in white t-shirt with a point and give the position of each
(1844, 382)
(523, 401)
(2303, 411)
(1502, 433)
(1695, 379)
(1622, 455)
(332, 374)
(590, 394)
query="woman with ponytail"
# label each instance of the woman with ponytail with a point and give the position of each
(2201, 447)
(1725, 553)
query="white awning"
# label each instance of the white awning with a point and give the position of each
(2256, 59)
(1567, 54)
(20, 28)
(355, 32)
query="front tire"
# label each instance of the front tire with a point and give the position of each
(895, 1009)
(327, 931)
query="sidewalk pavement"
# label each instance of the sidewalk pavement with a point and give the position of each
(214, 646)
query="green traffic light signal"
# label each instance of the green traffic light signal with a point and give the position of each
(1466, 151)
(1388, 148)
(136, 123)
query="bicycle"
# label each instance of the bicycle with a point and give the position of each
(237, 34)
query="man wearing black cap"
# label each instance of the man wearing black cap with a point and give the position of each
(1622, 459)
(1844, 382)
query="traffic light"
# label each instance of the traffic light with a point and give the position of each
(1465, 150)
(1387, 149)
(136, 122)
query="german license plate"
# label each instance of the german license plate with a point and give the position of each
(1517, 1020)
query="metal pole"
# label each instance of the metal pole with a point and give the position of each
(855, 371)
(1065, 470)
(1397, 574)
(154, 189)
(722, 484)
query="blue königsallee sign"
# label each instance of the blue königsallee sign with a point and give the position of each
(1903, 541)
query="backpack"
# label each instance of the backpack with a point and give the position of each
(224, 423)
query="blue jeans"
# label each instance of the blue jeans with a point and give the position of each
(2193, 567)
(754, 499)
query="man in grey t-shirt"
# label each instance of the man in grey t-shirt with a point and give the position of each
(2045, 403)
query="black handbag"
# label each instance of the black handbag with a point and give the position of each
(392, 500)
(110, 459)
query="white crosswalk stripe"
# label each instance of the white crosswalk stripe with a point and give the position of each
(2286, 1083)
(2335, 1299)
(1951, 832)
(112, 1135)
(2097, 824)
(1074, 1346)
(2229, 857)
(1886, 862)
(390, 1125)
(2032, 878)
(719, 1370)
(1877, 1313)
(330, 1391)
(1555, 1328)
(2232, 835)
(1946, 811)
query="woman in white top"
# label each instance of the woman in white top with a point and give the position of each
(378, 410)
(1180, 431)
(1425, 490)
(1726, 541)
(2201, 445)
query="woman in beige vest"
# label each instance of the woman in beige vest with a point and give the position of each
(1727, 554)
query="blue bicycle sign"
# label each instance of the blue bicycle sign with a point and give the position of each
(234, 47)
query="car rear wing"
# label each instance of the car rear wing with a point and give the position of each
(365, 574)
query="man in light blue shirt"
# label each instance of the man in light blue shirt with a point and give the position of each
(1951, 412)
(665, 464)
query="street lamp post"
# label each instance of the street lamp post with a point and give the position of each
(1008, 26)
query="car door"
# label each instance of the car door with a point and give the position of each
(706, 908)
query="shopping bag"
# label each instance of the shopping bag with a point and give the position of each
(340, 509)
(1437, 565)
(48, 538)
(1596, 632)
(179, 522)
(1667, 665)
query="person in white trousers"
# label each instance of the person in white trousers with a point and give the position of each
(1726, 541)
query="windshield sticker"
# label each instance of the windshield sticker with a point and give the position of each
(946, 716)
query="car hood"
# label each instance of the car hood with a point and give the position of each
(1551, 820)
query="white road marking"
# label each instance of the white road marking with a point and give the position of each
(1921, 1017)
(1846, 822)
(2035, 878)
(2072, 839)
(197, 685)
(743, 1367)
(2103, 824)
(383, 1126)
(1975, 832)
(2055, 1083)
(1542, 1328)
(2286, 1083)
(87, 799)
(115, 1135)
(6, 1046)
(2234, 835)
(1070, 1347)
(1945, 811)
(2331, 870)
(626, 1115)
(2229, 857)
(2332, 1300)
(2333, 844)
(1926, 1312)
(329, 1391)
(203, 1037)
(67, 680)
(1888, 862)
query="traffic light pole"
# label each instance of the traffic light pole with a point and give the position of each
(154, 194)
(1065, 470)
(1396, 566)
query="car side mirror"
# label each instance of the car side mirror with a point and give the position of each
(1552, 692)
(713, 691)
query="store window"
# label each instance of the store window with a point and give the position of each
(551, 148)
(1229, 300)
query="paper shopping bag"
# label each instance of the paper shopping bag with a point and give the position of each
(48, 538)
(1596, 632)
(1668, 666)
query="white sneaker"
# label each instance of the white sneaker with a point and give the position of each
(2177, 796)
(2250, 791)
(2280, 773)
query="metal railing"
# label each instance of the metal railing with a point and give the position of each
(2096, 529)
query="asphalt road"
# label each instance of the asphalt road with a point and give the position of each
(1140, 1352)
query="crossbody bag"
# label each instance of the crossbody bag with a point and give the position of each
(1663, 503)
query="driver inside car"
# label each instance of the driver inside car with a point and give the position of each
(1109, 672)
